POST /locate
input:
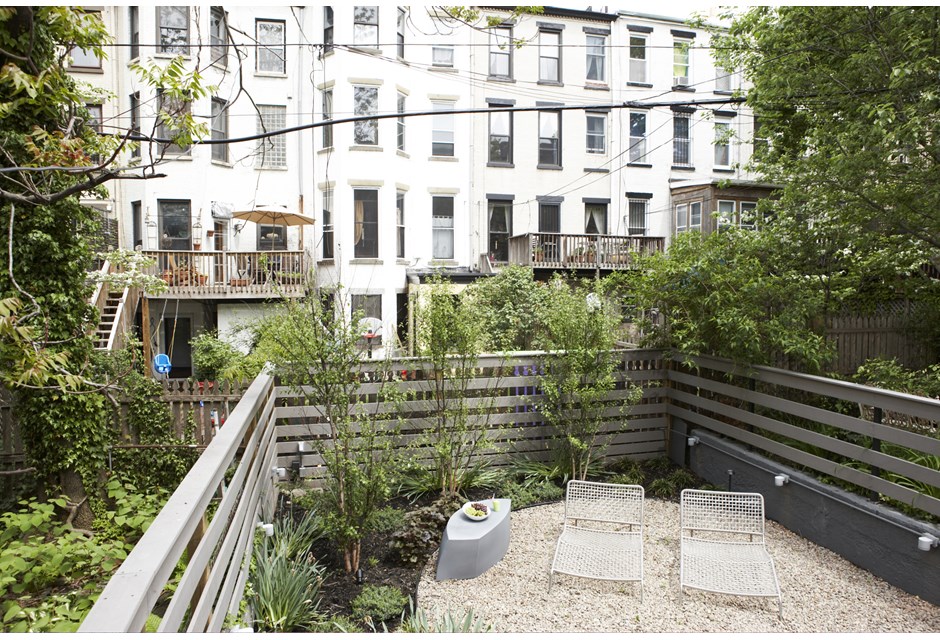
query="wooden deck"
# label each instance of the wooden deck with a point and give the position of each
(230, 274)
(580, 251)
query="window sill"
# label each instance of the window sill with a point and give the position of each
(284, 168)
(166, 55)
(723, 170)
(402, 262)
(684, 88)
(596, 170)
(270, 74)
(718, 92)
(443, 262)
(443, 159)
(94, 70)
(326, 262)
(549, 167)
(185, 157)
(443, 69)
(403, 154)
(642, 165)
(506, 79)
(501, 165)
(403, 61)
(551, 83)
(325, 150)
(597, 87)
(222, 163)
(329, 52)
(366, 261)
(645, 85)
(372, 51)
(683, 167)
(366, 147)
(595, 154)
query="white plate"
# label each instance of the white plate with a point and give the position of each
(478, 518)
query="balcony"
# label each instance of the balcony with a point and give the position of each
(230, 274)
(579, 251)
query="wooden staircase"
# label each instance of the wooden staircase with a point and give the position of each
(108, 317)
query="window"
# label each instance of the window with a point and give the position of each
(722, 144)
(366, 26)
(94, 117)
(550, 138)
(172, 108)
(638, 59)
(135, 122)
(327, 115)
(401, 122)
(636, 217)
(133, 21)
(749, 215)
(400, 224)
(501, 52)
(637, 136)
(272, 151)
(271, 56)
(327, 240)
(759, 139)
(681, 140)
(726, 211)
(500, 229)
(442, 55)
(681, 62)
(442, 131)
(327, 29)
(596, 59)
(723, 80)
(549, 56)
(272, 237)
(82, 59)
(173, 26)
(549, 217)
(366, 305)
(366, 104)
(219, 129)
(442, 224)
(401, 32)
(688, 216)
(500, 151)
(596, 132)
(218, 36)
(138, 227)
(175, 222)
(366, 228)
(595, 219)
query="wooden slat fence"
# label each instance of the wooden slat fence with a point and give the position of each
(504, 404)
(882, 333)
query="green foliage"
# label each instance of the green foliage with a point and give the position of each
(377, 603)
(510, 306)
(286, 592)
(130, 513)
(215, 359)
(127, 270)
(387, 520)
(890, 374)
(534, 492)
(337, 624)
(295, 536)
(417, 621)
(421, 534)
(579, 373)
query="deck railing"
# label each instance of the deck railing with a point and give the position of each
(580, 251)
(775, 412)
(206, 273)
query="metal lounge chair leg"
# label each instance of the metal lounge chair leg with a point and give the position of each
(550, 575)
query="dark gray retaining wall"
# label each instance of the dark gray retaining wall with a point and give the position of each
(870, 535)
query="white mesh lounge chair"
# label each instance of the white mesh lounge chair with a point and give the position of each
(602, 536)
(722, 545)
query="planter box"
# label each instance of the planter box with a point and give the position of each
(238, 282)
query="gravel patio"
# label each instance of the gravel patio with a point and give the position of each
(822, 592)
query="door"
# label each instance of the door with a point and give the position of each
(177, 332)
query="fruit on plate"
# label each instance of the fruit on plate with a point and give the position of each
(476, 510)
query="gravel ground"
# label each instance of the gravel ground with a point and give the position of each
(821, 591)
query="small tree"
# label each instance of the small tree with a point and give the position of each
(319, 355)
(579, 372)
(510, 307)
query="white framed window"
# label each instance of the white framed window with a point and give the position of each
(442, 55)
(688, 216)
(219, 129)
(401, 32)
(366, 103)
(218, 36)
(401, 122)
(133, 27)
(501, 52)
(172, 109)
(272, 237)
(327, 116)
(726, 214)
(366, 305)
(327, 29)
(173, 30)
(272, 151)
(596, 58)
(271, 57)
(442, 130)
(327, 240)
(638, 59)
(682, 140)
(637, 136)
(442, 225)
(82, 59)
(724, 80)
(366, 223)
(400, 224)
(681, 62)
(549, 139)
(500, 229)
(500, 147)
(596, 124)
(135, 121)
(595, 219)
(723, 145)
(748, 215)
(366, 26)
(549, 56)
(174, 219)
(637, 211)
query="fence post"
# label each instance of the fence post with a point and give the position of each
(877, 417)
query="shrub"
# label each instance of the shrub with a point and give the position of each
(387, 520)
(663, 488)
(294, 536)
(337, 624)
(449, 622)
(422, 531)
(376, 604)
(523, 495)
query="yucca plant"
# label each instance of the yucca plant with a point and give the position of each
(286, 593)
(293, 537)
(417, 621)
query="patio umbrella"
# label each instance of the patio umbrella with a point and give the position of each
(273, 214)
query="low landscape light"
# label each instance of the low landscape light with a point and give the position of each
(692, 441)
(781, 479)
(927, 541)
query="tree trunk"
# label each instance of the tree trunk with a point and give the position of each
(74, 489)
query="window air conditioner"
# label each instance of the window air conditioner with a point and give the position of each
(680, 81)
